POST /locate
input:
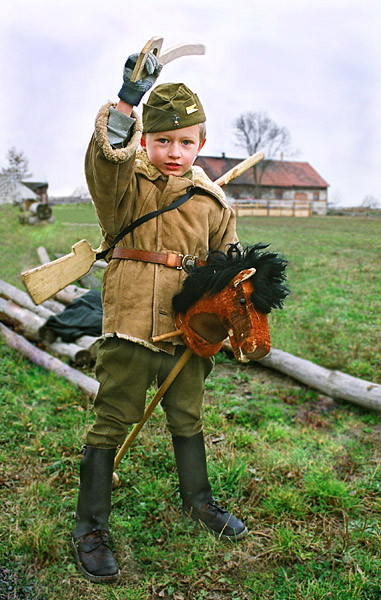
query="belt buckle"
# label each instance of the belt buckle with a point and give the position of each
(187, 261)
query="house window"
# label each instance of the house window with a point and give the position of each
(316, 196)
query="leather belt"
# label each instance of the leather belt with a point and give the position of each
(170, 259)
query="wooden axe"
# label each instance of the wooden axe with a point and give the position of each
(154, 45)
(46, 280)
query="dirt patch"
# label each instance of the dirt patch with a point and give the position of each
(257, 373)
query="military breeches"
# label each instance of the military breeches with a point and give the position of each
(125, 370)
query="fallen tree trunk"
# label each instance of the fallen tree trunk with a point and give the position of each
(332, 383)
(32, 327)
(88, 385)
(9, 292)
(100, 264)
(22, 319)
(43, 255)
(54, 306)
(91, 344)
(77, 354)
(28, 219)
(70, 293)
(42, 210)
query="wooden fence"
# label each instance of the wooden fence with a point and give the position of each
(246, 207)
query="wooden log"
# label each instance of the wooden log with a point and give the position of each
(43, 255)
(31, 325)
(86, 341)
(47, 335)
(100, 264)
(90, 282)
(10, 292)
(70, 293)
(91, 343)
(88, 385)
(22, 319)
(54, 306)
(76, 354)
(27, 219)
(332, 383)
(42, 210)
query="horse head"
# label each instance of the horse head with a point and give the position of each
(231, 296)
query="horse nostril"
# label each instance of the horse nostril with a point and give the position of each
(242, 301)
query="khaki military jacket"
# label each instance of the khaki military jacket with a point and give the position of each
(125, 185)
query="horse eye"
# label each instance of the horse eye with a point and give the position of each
(242, 301)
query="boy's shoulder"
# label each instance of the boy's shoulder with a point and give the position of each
(201, 180)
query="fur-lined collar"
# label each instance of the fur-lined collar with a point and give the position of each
(196, 174)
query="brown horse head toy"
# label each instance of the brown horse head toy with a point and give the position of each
(231, 296)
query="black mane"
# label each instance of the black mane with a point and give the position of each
(269, 289)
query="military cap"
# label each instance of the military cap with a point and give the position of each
(171, 106)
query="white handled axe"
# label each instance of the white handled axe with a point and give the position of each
(154, 45)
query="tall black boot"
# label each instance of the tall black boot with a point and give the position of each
(196, 493)
(91, 537)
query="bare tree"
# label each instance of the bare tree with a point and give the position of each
(81, 192)
(257, 131)
(11, 175)
(370, 202)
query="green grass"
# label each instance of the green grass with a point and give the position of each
(21, 241)
(301, 469)
(332, 315)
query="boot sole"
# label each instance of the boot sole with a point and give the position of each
(93, 578)
(222, 536)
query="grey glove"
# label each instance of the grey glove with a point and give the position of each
(133, 92)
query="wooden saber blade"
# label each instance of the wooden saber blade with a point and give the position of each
(46, 280)
(154, 45)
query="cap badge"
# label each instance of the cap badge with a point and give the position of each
(191, 109)
(176, 120)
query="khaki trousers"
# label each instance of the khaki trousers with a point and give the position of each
(125, 370)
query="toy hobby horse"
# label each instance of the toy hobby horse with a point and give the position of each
(231, 295)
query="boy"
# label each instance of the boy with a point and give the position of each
(144, 273)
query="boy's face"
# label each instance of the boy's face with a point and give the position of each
(173, 152)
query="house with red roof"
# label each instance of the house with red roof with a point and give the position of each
(282, 180)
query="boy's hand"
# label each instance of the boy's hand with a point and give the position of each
(133, 92)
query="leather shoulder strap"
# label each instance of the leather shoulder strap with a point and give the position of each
(151, 215)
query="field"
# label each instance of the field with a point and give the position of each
(301, 469)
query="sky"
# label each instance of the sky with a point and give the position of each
(313, 65)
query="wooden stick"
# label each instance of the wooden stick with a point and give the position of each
(240, 168)
(152, 405)
(166, 336)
